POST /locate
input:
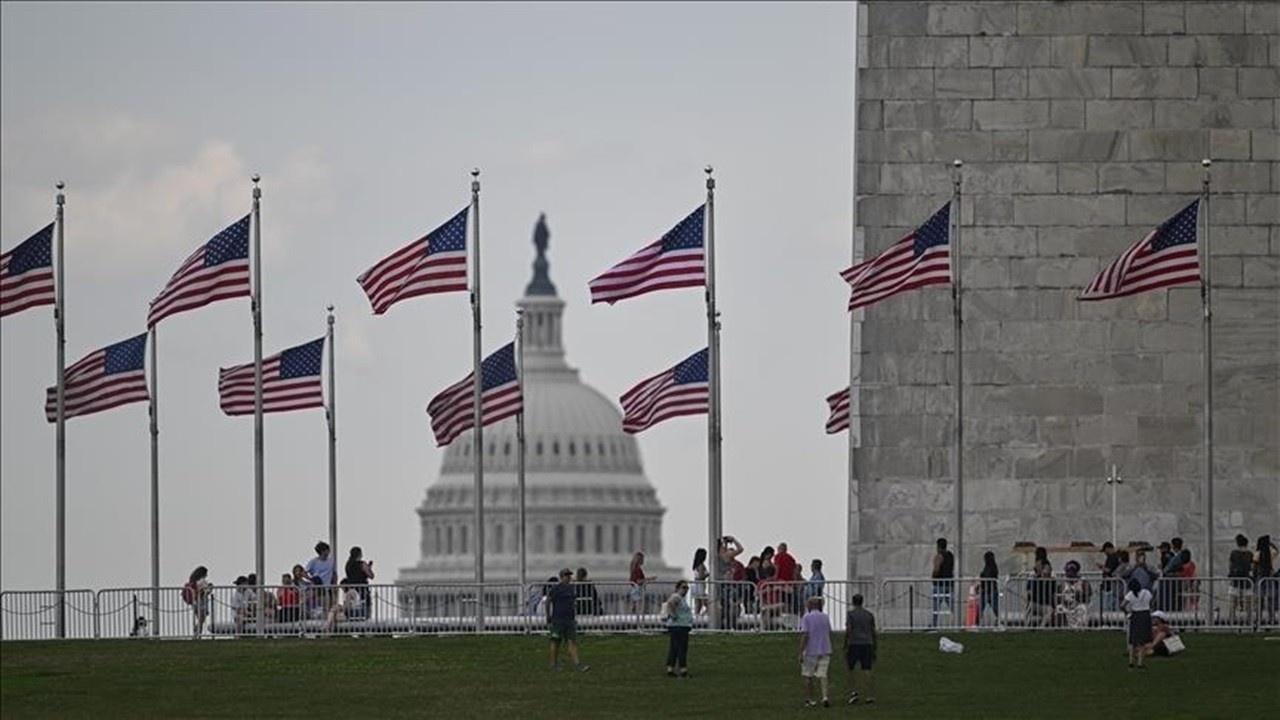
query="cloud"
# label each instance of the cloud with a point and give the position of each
(140, 199)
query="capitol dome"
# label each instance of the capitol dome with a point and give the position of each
(588, 502)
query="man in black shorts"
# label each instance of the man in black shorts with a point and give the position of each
(562, 618)
(860, 648)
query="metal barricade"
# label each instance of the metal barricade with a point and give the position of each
(900, 604)
(33, 614)
(940, 604)
(1267, 603)
(465, 608)
(144, 613)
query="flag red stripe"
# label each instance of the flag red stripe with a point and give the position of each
(236, 389)
(452, 410)
(87, 389)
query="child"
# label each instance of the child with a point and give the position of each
(1137, 602)
(815, 650)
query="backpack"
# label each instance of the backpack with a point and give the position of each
(189, 593)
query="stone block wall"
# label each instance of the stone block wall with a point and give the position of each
(1081, 126)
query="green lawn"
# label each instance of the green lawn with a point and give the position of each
(1010, 675)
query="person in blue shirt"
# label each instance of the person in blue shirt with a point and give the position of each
(817, 581)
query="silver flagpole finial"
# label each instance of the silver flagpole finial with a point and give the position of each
(62, 186)
(1206, 162)
(957, 163)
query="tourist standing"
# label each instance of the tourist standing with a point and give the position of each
(196, 594)
(1137, 602)
(1239, 567)
(638, 582)
(989, 587)
(701, 586)
(943, 589)
(729, 571)
(358, 573)
(679, 619)
(1110, 563)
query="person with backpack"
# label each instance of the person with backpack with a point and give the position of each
(195, 593)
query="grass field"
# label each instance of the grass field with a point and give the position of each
(1007, 675)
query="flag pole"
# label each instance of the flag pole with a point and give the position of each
(154, 412)
(520, 446)
(477, 382)
(60, 443)
(852, 500)
(259, 530)
(957, 295)
(714, 500)
(1206, 297)
(331, 415)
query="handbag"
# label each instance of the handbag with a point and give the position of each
(1174, 645)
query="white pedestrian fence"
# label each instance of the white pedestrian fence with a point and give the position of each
(900, 604)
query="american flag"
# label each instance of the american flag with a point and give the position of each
(26, 273)
(103, 379)
(453, 410)
(681, 390)
(676, 260)
(921, 258)
(290, 381)
(217, 270)
(839, 405)
(1168, 255)
(435, 263)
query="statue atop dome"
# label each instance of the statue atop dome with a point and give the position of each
(541, 283)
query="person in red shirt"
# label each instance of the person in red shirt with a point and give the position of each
(788, 571)
(786, 565)
(289, 600)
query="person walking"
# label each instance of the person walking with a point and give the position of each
(563, 620)
(860, 649)
(815, 651)
(679, 619)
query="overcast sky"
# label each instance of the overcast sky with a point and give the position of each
(364, 122)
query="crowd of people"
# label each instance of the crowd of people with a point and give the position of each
(1063, 599)
(308, 592)
(771, 584)
(562, 600)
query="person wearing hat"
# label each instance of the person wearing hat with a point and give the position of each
(563, 620)
(1163, 636)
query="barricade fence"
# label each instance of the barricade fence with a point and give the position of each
(900, 604)
(33, 614)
